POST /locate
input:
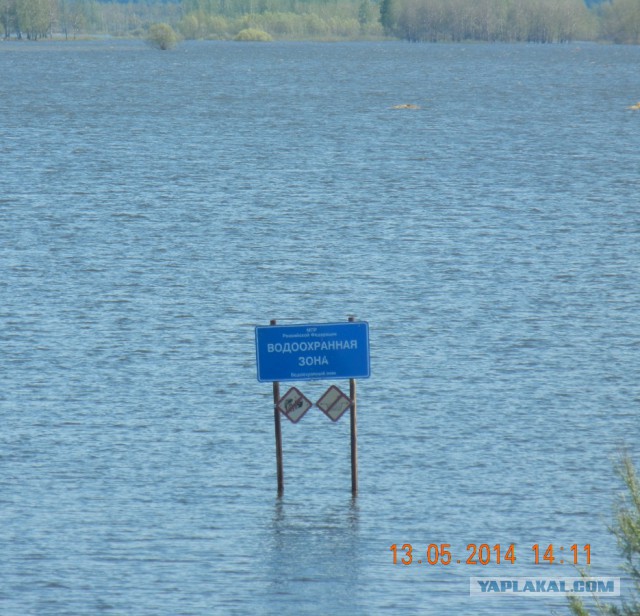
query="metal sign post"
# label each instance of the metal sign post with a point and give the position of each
(354, 433)
(313, 352)
(278, 427)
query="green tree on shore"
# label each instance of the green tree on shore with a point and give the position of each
(626, 528)
(540, 21)
(620, 21)
(387, 17)
(27, 18)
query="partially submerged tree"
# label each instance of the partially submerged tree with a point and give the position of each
(253, 34)
(162, 36)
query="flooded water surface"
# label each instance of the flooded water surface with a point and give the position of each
(155, 207)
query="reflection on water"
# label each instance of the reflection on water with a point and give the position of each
(308, 543)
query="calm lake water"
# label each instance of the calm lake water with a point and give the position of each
(156, 206)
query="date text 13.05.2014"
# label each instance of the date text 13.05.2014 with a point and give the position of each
(484, 553)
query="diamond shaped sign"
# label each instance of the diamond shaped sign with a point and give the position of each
(334, 403)
(293, 405)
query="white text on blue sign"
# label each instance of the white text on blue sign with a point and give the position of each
(312, 352)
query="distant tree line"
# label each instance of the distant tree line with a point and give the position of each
(35, 19)
(342, 20)
(542, 21)
(620, 21)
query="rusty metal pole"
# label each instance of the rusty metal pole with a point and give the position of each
(354, 433)
(354, 438)
(278, 428)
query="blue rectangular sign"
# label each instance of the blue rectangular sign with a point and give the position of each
(313, 352)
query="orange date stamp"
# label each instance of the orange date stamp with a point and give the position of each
(484, 554)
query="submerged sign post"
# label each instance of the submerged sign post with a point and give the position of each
(313, 352)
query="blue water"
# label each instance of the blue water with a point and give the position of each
(155, 207)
